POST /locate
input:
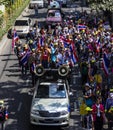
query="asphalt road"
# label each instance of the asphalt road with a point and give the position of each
(14, 87)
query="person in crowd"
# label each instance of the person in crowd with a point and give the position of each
(36, 9)
(96, 92)
(45, 57)
(84, 72)
(83, 112)
(54, 52)
(88, 95)
(109, 116)
(3, 112)
(109, 100)
(98, 111)
(30, 35)
(98, 78)
(35, 24)
(104, 94)
(88, 119)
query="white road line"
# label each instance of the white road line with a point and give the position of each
(27, 82)
(19, 106)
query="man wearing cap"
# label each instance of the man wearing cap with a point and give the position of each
(30, 35)
(88, 119)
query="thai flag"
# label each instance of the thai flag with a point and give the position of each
(6, 115)
(72, 47)
(72, 62)
(105, 64)
(98, 41)
(42, 41)
(81, 27)
(98, 45)
(35, 45)
(33, 67)
(25, 57)
(14, 38)
(74, 56)
(66, 44)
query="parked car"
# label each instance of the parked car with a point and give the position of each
(54, 16)
(22, 26)
(50, 103)
(39, 3)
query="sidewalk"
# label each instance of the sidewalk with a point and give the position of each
(3, 42)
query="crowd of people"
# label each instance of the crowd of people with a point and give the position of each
(87, 41)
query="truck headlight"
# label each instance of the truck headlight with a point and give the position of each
(64, 112)
(35, 112)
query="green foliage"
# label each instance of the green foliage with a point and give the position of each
(1, 12)
(4, 2)
(12, 13)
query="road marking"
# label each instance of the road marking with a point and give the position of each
(19, 106)
(27, 82)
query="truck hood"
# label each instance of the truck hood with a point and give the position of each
(21, 28)
(50, 105)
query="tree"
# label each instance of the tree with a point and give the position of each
(4, 2)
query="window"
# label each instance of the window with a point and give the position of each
(43, 91)
(57, 14)
(51, 14)
(21, 23)
(53, 90)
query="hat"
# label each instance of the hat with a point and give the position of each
(111, 108)
(88, 109)
(1, 102)
(55, 43)
(111, 95)
(33, 49)
(87, 84)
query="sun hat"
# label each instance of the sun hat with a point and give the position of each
(87, 84)
(111, 108)
(1, 102)
(88, 109)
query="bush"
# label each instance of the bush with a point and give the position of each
(12, 13)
